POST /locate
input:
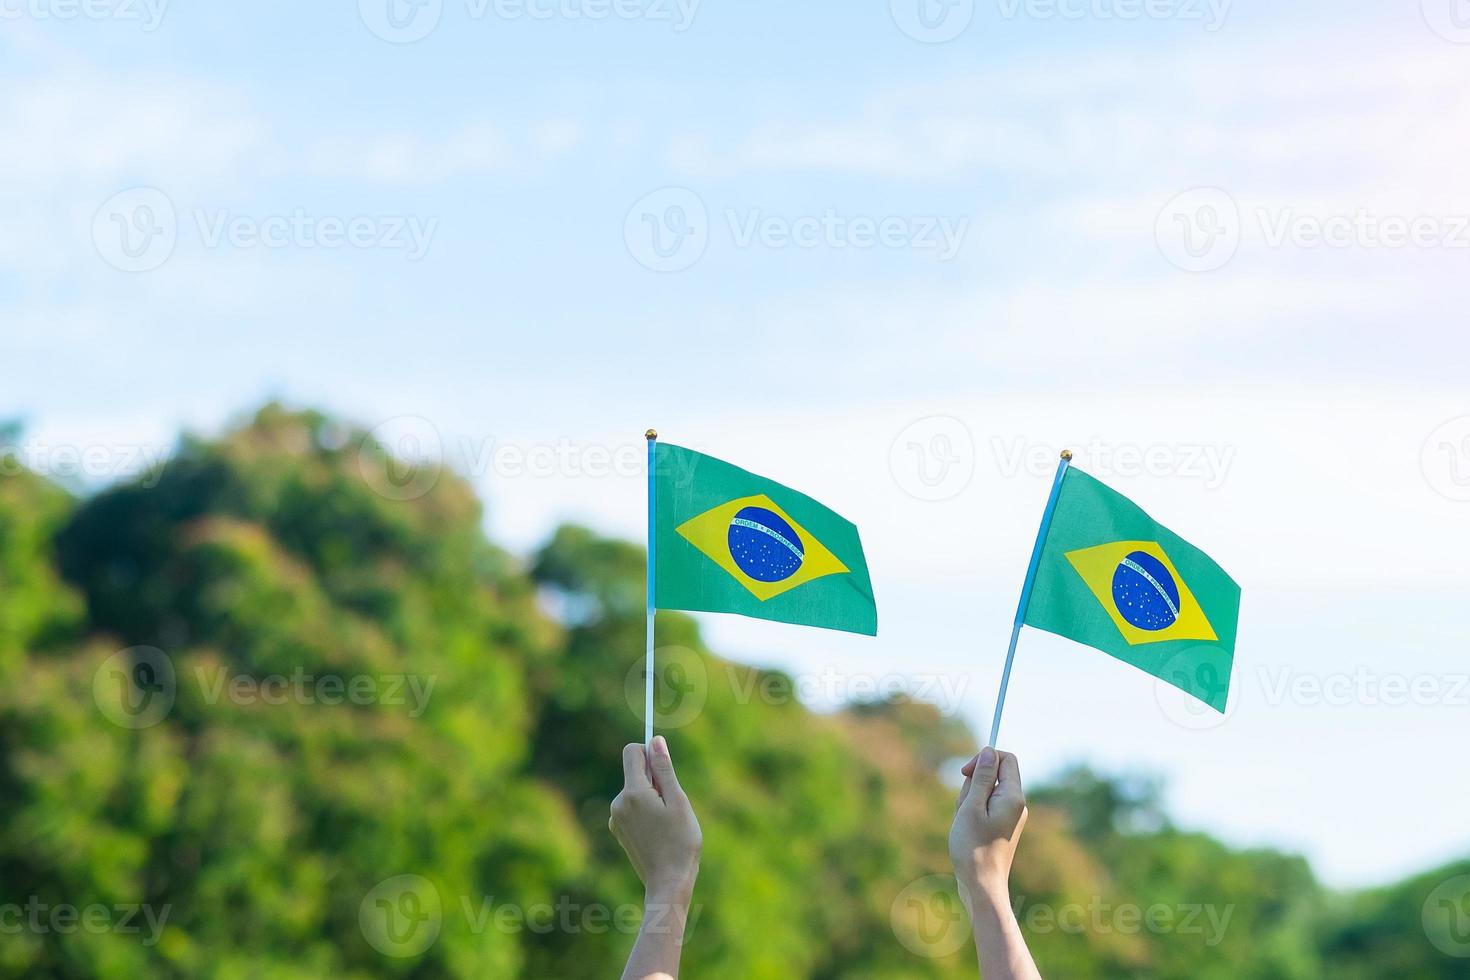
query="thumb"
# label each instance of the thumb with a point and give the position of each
(664, 778)
(982, 776)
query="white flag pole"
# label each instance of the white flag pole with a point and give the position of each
(1005, 677)
(648, 664)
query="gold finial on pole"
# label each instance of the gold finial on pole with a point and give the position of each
(1066, 454)
(651, 435)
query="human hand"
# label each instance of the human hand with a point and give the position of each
(654, 822)
(989, 818)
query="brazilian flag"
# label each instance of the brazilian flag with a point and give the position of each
(725, 540)
(1113, 578)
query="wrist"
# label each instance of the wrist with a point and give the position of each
(672, 889)
(989, 896)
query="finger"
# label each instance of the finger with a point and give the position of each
(664, 778)
(1009, 777)
(635, 767)
(983, 776)
(1008, 798)
(969, 771)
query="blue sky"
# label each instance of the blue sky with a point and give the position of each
(1228, 238)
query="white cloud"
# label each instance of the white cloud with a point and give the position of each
(1176, 118)
(411, 158)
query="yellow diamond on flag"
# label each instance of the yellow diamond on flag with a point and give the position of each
(760, 546)
(1142, 592)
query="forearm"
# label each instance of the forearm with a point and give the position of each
(661, 938)
(998, 938)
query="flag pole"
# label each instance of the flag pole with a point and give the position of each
(1051, 506)
(648, 666)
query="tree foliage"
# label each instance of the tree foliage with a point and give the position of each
(275, 567)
